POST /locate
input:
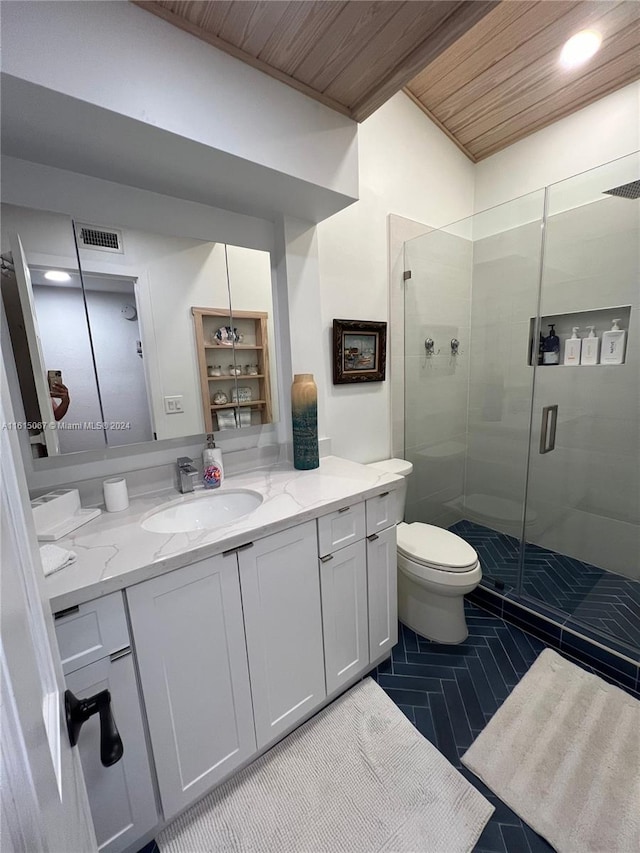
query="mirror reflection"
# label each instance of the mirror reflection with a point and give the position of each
(141, 336)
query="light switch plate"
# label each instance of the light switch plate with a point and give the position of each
(173, 405)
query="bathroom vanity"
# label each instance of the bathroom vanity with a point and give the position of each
(217, 643)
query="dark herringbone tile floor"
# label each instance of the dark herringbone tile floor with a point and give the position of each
(451, 692)
(604, 601)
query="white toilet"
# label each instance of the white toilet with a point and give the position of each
(436, 569)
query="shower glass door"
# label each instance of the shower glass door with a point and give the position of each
(472, 291)
(581, 551)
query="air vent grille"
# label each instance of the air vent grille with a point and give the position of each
(631, 190)
(100, 239)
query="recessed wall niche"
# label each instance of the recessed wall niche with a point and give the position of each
(600, 318)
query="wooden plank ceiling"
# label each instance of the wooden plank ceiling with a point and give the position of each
(486, 72)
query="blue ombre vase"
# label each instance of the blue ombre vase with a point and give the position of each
(304, 413)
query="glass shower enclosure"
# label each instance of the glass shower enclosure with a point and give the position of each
(521, 444)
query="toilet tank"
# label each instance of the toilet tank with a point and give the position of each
(396, 466)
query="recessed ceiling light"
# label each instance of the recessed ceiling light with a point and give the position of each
(57, 275)
(579, 48)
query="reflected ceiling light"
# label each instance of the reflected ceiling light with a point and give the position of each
(57, 275)
(579, 48)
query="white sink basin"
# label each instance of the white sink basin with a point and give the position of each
(205, 512)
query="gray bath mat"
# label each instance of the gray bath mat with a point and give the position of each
(563, 752)
(357, 778)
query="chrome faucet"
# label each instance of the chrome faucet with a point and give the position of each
(186, 474)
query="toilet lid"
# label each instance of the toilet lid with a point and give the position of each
(435, 547)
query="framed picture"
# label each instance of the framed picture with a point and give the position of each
(359, 351)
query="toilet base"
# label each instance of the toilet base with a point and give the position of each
(437, 617)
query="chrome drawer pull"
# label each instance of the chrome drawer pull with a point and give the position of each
(344, 509)
(66, 612)
(121, 653)
(326, 559)
(373, 537)
(236, 550)
(383, 495)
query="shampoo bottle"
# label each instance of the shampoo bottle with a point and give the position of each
(613, 343)
(572, 348)
(551, 348)
(590, 347)
(212, 471)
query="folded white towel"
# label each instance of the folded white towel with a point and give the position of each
(55, 558)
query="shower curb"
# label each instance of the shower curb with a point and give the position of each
(614, 661)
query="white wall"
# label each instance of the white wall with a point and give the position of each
(410, 168)
(121, 58)
(603, 131)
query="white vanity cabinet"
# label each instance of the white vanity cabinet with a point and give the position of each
(343, 581)
(382, 588)
(232, 652)
(283, 625)
(358, 580)
(190, 646)
(121, 797)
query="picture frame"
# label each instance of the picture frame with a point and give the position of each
(359, 351)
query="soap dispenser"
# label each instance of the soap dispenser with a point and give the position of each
(613, 343)
(572, 348)
(590, 347)
(212, 470)
(551, 348)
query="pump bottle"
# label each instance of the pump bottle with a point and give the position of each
(212, 470)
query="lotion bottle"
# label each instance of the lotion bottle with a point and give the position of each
(572, 348)
(613, 343)
(590, 347)
(212, 470)
(551, 347)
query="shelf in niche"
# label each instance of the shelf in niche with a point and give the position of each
(601, 318)
(243, 376)
(222, 347)
(257, 403)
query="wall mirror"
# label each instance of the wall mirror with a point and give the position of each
(142, 337)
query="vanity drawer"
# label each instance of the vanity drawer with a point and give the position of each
(91, 631)
(381, 512)
(341, 528)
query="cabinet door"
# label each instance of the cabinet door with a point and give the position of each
(281, 600)
(343, 582)
(121, 796)
(192, 658)
(383, 592)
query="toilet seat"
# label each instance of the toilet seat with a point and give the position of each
(426, 549)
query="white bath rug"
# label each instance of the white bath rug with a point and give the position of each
(563, 752)
(356, 778)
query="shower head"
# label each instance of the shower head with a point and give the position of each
(631, 190)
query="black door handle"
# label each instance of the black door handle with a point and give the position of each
(78, 711)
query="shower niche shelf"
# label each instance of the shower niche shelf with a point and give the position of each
(600, 318)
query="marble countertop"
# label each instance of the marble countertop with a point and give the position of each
(114, 551)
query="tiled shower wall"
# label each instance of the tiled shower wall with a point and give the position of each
(437, 297)
(506, 277)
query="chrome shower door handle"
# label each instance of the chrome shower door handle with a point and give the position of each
(548, 429)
